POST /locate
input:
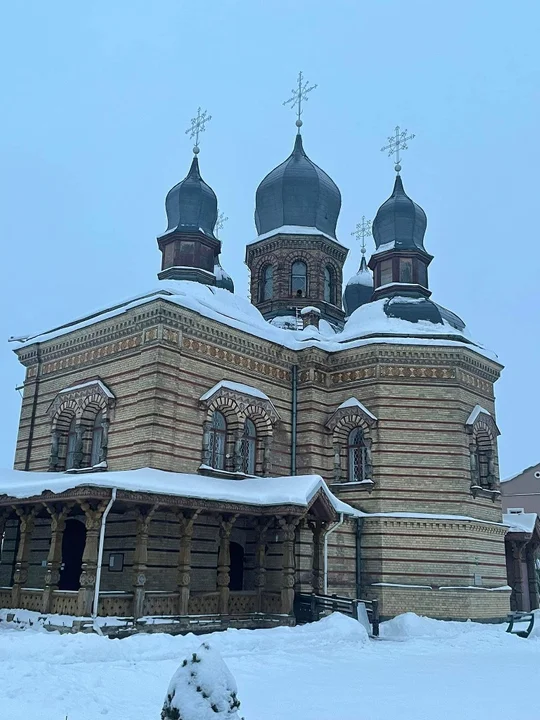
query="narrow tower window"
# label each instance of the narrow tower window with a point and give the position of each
(97, 438)
(299, 279)
(71, 445)
(267, 283)
(249, 448)
(328, 285)
(218, 436)
(357, 456)
(406, 270)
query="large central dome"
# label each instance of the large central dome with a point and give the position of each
(297, 193)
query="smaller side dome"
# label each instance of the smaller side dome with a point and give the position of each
(359, 289)
(223, 279)
(400, 223)
(191, 205)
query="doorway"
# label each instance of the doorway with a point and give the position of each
(73, 544)
(236, 570)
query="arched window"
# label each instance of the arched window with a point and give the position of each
(97, 438)
(249, 448)
(357, 456)
(217, 440)
(482, 462)
(267, 283)
(71, 445)
(328, 285)
(299, 279)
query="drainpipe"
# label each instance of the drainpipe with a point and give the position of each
(34, 410)
(100, 560)
(359, 528)
(294, 413)
(328, 533)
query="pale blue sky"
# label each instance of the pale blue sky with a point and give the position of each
(96, 98)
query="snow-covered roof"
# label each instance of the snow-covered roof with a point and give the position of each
(294, 230)
(354, 402)
(100, 384)
(362, 277)
(367, 325)
(520, 522)
(429, 516)
(295, 490)
(310, 309)
(477, 410)
(237, 387)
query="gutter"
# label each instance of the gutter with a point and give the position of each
(100, 560)
(325, 560)
(294, 417)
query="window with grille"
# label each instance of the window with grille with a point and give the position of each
(71, 445)
(249, 448)
(357, 456)
(299, 279)
(97, 438)
(218, 437)
(328, 285)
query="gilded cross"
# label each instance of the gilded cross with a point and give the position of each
(362, 231)
(397, 142)
(220, 222)
(198, 126)
(298, 94)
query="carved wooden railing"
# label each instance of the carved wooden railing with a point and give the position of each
(115, 603)
(157, 602)
(205, 603)
(64, 602)
(271, 602)
(242, 602)
(5, 597)
(31, 599)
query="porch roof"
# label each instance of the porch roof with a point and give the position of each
(299, 491)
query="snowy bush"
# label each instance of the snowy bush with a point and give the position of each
(202, 689)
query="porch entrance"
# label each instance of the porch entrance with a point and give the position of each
(72, 552)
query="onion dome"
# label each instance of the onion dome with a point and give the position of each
(223, 279)
(297, 193)
(400, 223)
(359, 289)
(422, 310)
(191, 205)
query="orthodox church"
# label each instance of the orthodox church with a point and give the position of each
(193, 455)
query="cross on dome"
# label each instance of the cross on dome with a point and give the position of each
(220, 222)
(198, 126)
(397, 142)
(298, 94)
(362, 231)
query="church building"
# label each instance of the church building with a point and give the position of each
(193, 455)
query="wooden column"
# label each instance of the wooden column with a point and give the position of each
(20, 576)
(517, 555)
(288, 527)
(226, 523)
(260, 559)
(317, 527)
(54, 558)
(140, 558)
(186, 519)
(93, 513)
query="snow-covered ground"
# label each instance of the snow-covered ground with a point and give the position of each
(421, 669)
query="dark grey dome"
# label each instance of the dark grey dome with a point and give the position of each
(359, 289)
(400, 221)
(192, 204)
(223, 279)
(421, 310)
(297, 192)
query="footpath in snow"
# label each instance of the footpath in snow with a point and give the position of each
(420, 669)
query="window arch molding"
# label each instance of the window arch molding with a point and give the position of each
(484, 471)
(238, 405)
(78, 406)
(350, 416)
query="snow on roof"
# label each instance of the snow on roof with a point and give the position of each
(477, 410)
(429, 516)
(384, 247)
(238, 387)
(520, 522)
(295, 490)
(367, 325)
(310, 309)
(362, 277)
(105, 389)
(294, 230)
(354, 402)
